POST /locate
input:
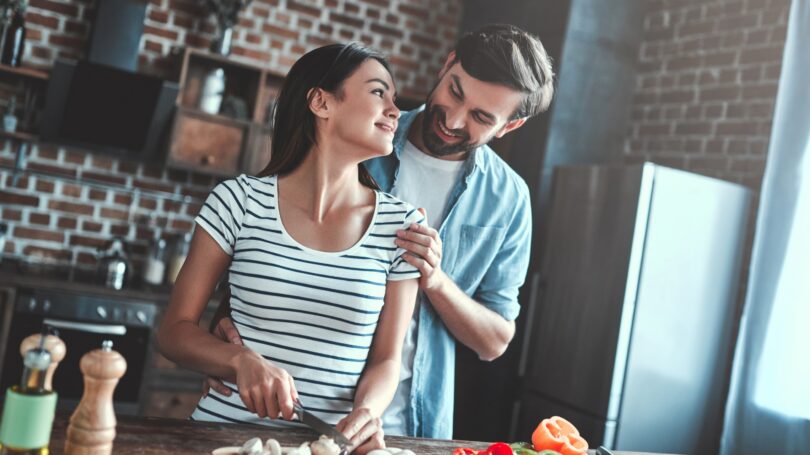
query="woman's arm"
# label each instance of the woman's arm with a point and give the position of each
(380, 378)
(264, 388)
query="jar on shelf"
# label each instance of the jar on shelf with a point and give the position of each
(156, 263)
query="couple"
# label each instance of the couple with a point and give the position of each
(326, 260)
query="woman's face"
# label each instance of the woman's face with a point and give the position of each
(364, 117)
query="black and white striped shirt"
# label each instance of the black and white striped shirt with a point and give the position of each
(310, 312)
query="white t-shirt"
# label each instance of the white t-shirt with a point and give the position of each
(310, 312)
(424, 182)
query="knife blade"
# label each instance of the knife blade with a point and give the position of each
(321, 427)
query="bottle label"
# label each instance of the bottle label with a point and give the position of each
(27, 420)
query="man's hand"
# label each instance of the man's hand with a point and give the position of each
(424, 252)
(363, 430)
(225, 331)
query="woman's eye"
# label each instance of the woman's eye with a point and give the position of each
(379, 92)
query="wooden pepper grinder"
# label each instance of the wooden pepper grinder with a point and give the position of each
(92, 426)
(54, 345)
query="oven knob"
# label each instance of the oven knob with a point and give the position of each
(117, 313)
(101, 311)
(32, 304)
(141, 316)
(46, 305)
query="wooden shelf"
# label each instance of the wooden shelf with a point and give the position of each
(25, 72)
(19, 135)
(216, 118)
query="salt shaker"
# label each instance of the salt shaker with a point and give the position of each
(92, 426)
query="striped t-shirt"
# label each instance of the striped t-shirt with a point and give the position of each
(310, 312)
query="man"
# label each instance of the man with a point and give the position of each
(475, 254)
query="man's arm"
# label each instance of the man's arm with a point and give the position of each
(478, 327)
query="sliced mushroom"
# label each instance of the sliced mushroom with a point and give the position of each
(324, 446)
(273, 447)
(252, 446)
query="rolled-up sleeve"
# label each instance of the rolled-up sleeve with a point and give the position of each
(221, 214)
(499, 287)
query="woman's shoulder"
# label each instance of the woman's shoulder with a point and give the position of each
(390, 204)
(246, 184)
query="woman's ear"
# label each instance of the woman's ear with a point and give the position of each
(319, 101)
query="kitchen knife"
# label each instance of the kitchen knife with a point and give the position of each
(321, 427)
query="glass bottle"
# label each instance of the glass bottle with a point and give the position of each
(14, 44)
(156, 262)
(178, 257)
(29, 408)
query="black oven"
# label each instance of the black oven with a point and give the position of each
(83, 321)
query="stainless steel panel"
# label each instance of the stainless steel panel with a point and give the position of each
(687, 288)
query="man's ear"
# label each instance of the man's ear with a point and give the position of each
(511, 125)
(319, 102)
(451, 58)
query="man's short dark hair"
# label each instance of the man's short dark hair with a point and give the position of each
(506, 55)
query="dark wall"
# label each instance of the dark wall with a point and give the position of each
(594, 47)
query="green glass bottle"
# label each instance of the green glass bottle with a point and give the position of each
(29, 408)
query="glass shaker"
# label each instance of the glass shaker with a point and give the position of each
(178, 257)
(156, 262)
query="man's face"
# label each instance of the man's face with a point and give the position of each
(463, 113)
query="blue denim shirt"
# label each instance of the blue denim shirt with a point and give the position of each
(486, 238)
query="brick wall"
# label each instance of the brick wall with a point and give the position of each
(65, 222)
(273, 33)
(706, 86)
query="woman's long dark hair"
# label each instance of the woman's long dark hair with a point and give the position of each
(294, 124)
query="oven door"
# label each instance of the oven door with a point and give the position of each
(81, 334)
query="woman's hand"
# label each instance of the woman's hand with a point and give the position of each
(265, 388)
(363, 429)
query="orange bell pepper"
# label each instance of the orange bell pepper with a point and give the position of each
(556, 433)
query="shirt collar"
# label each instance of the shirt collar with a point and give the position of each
(401, 137)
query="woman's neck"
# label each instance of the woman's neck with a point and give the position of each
(323, 183)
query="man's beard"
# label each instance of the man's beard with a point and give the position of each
(434, 144)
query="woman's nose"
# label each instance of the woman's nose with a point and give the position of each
(393, 112)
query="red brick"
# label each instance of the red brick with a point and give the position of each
(414, 11)
(160, 16)
(346, 20)
(39, 218)
(12, 214)
(122, 199)
(97, 195)
(106, 178)
(91, 226)
(720, 94)
(298, 6)
(76, 27)
(113, 214)
(153, 46)
(82, 240)
(191, 7)
(66, 223)
(182, 21)
(119, 229)
(163, 33)
(38, 234)
(66, 41)
(45, 21)
(388, 31)
(71, 207)
(43, 186)
(736, 128)
(693, 128)
(383, 3)
(7, 197)
(280, 31)
(70, 190)
(61, 8)
(768, 54)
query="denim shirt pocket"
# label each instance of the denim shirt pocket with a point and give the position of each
(473, 254)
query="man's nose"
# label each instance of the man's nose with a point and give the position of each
(454, 120)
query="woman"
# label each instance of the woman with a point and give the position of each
(319, 291)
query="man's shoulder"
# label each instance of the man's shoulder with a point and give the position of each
(498, 175)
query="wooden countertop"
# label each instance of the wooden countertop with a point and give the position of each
(141, 435)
